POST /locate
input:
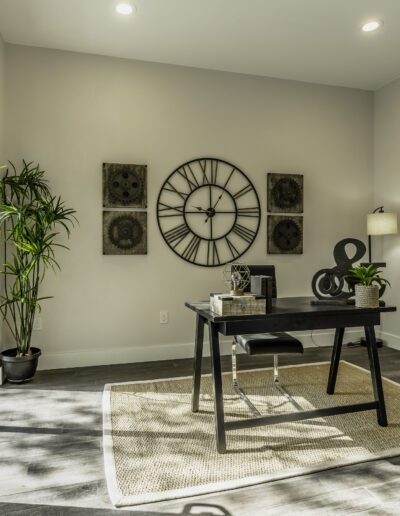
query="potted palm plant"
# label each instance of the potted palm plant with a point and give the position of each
(31, 220)
(367, 280)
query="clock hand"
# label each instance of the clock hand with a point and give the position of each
(219, 198)
(213, 208)
(199, 209)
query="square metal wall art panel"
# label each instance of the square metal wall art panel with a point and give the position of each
(124, 232)
(285, 193)
(285, 234)
(124, 186)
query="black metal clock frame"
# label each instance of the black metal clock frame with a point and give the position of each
(178, 233)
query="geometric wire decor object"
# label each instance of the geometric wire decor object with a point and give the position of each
(285, 234)
(236, 276)
(124, 185)
(285, 193)
(124, 232)
(208, 212)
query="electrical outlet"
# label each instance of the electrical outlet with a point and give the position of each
(164, 317)
(37, 323)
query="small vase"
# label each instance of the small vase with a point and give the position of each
(367, 296)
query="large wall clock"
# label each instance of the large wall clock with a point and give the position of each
(208, 212)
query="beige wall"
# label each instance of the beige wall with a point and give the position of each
(76, 111)
(387, 193)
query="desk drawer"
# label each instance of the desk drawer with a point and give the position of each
(298, 323)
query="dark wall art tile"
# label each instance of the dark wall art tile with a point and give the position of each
(285, 193)
(285, 234)
(124, 232)
(124, 186)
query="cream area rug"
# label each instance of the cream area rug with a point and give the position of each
(156, 449)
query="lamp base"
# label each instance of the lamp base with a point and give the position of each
(363, 342)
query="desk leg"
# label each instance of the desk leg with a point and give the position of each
(197, 360)
(217, 386)
(376, 374)
(337, 348)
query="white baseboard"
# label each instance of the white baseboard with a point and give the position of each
(322, 339)
(390, 340)
(89, 357)
(94, 357)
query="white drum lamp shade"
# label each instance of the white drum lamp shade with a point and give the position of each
(381, 223)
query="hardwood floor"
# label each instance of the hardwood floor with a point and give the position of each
(51, 459)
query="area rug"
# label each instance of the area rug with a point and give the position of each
(156, 449)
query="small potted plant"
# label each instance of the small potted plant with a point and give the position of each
(367, 280)
(30, 220)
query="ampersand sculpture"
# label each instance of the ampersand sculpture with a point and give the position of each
(332, 284)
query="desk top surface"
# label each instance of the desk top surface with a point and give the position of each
(287, 307)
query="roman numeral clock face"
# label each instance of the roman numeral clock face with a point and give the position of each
(208, 212)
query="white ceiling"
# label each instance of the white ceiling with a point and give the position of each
(307, 40)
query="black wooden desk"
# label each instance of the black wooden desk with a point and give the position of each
(289, 314)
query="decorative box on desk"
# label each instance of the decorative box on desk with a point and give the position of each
(247, 304)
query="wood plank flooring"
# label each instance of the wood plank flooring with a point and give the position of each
(51, 460)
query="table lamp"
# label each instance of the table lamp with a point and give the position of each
(380, 223)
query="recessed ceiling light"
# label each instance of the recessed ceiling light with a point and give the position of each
(372, 25)
(125, 8)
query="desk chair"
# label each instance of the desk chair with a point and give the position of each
(264, 344)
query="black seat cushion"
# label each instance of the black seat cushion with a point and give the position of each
(269, 343)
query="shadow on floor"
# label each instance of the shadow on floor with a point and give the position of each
(21, 509)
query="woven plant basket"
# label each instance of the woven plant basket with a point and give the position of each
(367, 297)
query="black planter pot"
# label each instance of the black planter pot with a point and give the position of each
(19, 369)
